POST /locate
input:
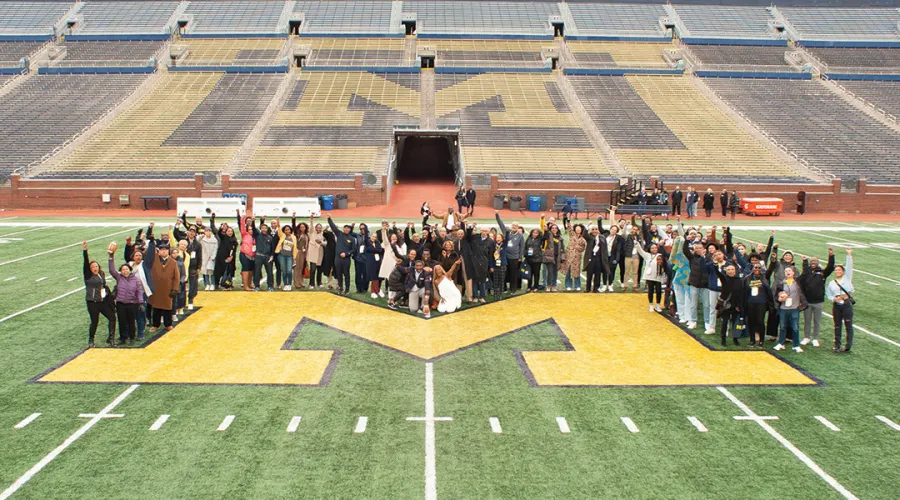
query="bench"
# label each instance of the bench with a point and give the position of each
(623, 210)
(588, 209)
(153, 198)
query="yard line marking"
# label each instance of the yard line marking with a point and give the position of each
(27, 420)
(65, 444)
(877, 276)
(755, 417)
(844, 223)
(881, 225)
(563, 425)
(888, 421)
(159, 422)
(879, 337)
(430, 447)
(32, 308)
(22, 232)
(495, 425)
(71, 279)
(871, 283)
(361, 425)
(868, 245)
(698, 424)
(295, 422)
(10, 278)
(790, 446)
(828, 424)
(63, 248)
(225, 423)
(40, 279)
(629, 424)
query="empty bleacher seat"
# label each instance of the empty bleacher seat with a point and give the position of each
(349, 16)
(467, 17)
(119, 52)
(740, 55)
(617, 19)
(12, 52)
(233, 51)
(844, 24)
(111, 17)
(884, 95)
(31, 18)
(617, 54)
(489, 53)
(356, 52)
(812, 121)
(856, 60)
(714, 21)
(235, 16)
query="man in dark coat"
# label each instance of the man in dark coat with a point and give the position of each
(723, 199)
(596, 259)
(677, 196)
(470, 199)
(475, 260)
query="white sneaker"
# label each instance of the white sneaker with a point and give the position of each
(657, 308)
(174, 318)
(683, 320)
(568, 289)
(709, 331)
(290, 287)
(815, 343)
(428, 316)
(691, 325)
(804, 341)
(374, 295)
(651, 308)
(381, 294)
(190, 307)
(578, 289)
(798, 349)
(778, 347)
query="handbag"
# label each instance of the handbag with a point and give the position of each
(305, 272)
(525, 271)
(849, 297)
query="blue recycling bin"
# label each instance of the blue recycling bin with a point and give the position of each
(534, 203)
(328, 202)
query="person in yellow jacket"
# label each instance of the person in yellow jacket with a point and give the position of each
(286, 252)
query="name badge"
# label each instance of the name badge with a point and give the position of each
(253, 249)
(377, 257)
(530, 252)
(362, 249)
(103, 293)
(498, 262)
(509, 244)
(719, 283)
(754, 291)
(193, 255)
(788, 302)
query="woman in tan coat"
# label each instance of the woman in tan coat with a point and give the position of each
(571, 266)
(314, 254)
(301, 231)
(164, 271)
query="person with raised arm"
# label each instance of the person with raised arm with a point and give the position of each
(813, 280)
(840, 292)
(344, 251)
(98, 298)
(248, 251)
(315, 253)
(286, 252)
(129, 297)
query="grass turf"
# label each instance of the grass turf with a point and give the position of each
(256, 458)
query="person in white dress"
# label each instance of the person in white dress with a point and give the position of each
(388, 263)
(451, 299)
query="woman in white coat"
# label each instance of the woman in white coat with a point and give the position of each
(209, 243)
(654, 274)
(451, 299)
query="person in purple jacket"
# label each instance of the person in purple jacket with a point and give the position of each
(129, 297)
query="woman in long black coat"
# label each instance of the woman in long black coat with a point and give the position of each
(709, 199)
(327, 256)
(225, 255)
(474, 253)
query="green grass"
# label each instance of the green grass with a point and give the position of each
(256, 458)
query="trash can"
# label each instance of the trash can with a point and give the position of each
(498, 202)
(534, 203)
(515, 203)
(341, 201)
(321, 198)
(327, 202)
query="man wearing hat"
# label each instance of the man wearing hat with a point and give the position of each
(164, 282)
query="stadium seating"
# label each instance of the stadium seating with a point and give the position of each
(235, 16)
(489, 53)
(47, 110)
(349, 16)
(13, 52)
(713, 21)
(883, 95)
(114, 52)
(662, 125)
(843, 24)
(356, 52)
(617, 19)
(740, 55)
(237, 51)
(31, 18)
(336, 123)
(466, 17)
(189, 122)
(125, 17)
(517, 125)
(617, 54)
(859, 59)
(819, 126)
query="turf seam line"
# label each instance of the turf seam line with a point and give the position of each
(10, 278)
(159, 422)
(789, 446)
(65, 444)
(23, 232)
(71, 279)
(67, 246)
(27, 420)
(827, 423)
(40, 279)
(889, 422)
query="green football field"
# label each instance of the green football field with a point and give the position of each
(466, 425)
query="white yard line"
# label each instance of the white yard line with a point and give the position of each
(868, 245)
(563, 425)
(295, 422)
(27, 420)
(495, 425)
(842, 223)
(40, 279)
(226, 423)
(877, 276)
(698, 424)
(430, 447)
(872, 283)
(827, 423)
(159, 422)
(22, 232)
(10, 278)
(32, 308)
(629, 424)
(787, 444)
(71, 279)
(889, 422)
(65, 247)
(97, 417)
(361, 425)
(879, 337)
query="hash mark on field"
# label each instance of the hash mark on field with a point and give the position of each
(159, 422)
(10, 278)
(361, 425)
(872, 283)
(888, 421)
(27, 420)
(295, 422)
(698, 424)
(71, 279)
(495, 425)
(226, 423)
(629, 424)
(40, 279)
(828, 424)
(563, 425)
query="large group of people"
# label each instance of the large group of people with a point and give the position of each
(690, 201)
(692, 273)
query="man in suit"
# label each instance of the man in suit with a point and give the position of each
(470, 199)
(418, 286)
(723, 200)
(677, 196)
(596, 260)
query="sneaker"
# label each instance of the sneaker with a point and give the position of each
(778, 347)
(380, 294)
(691, 325)
(190, 307)
(290, 288)
(578, 289)
(568, 289)
(90, 345)
(709, 331)
(735, 341)
(815, 343)
(798, 349)
(391, 305)
(140, 338)
(683, 320)
(374, 295)
(652, 308)
(174, 318)
(428, 316)
(657, 308)
(804, 341)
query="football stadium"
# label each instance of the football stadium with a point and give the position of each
(518, 249)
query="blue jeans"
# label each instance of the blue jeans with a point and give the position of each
(481, 288)
(287, 268)
(703, 295)
(141, 318)
(569, 280)
(789, 318)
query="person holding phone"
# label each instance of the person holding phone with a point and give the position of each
(839, 292)
(98, 298)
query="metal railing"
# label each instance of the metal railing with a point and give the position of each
(71, 63)
(861, 99)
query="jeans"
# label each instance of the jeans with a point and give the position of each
(843, 316)
(682, 295)
(812, 316)
(481, 287)
(140, 317)
(551, 279)
(703, 295)
(654, 288)
(729, 318)
(710, 320)
(315, 276)
(193, 285)
(262, 261)
(789, 318)
(287, 268)
(569, 280)
(691, 209)
(359, 272)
